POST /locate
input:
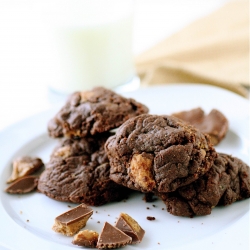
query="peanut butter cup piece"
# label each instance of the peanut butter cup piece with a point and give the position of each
(22, 185)
(112, 237)
(215, 124)
(23, 166)
(70, 222)
(86, 238)
(130, 227)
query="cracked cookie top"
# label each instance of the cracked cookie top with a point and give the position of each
(158, 153)
(227, 181)
(78, 171)
(93, 112)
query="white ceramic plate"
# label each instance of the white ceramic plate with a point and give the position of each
(26, 220)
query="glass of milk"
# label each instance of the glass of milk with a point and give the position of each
(93, 43)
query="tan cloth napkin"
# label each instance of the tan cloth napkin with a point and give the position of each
(213, 50)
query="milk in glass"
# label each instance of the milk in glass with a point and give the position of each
(94, 44)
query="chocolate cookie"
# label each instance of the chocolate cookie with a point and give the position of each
(158, 153)
(215, 123)
(92, 112)
(78, 172)
(227, 181)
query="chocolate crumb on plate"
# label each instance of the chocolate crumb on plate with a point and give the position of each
(150, 218)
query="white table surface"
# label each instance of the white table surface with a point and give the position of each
(26, 59)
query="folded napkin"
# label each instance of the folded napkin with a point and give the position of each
(213, 50)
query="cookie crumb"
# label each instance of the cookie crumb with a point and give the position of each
(28, 220)
(147, 207)
(163, 208)
(21, 212)
(154, 205)
(150, 218)
(98, 221)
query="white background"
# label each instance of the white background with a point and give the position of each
(26, 56)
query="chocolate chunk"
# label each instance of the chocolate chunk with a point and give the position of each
(92, 112)
(78, 172)
(112, 237)
(152, 153)
(215, 124)
(130, 227)
(22, 185)
(86, 238)
(150, 218)
(24, 166)
(73, 220)
(227, 181)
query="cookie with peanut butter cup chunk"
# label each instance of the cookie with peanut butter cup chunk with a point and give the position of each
(78, 172)
(93, 112)
(152, 153)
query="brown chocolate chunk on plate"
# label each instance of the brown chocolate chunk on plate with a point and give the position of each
(112, 237)
(86, 238)
(227, 181)
(130, 227)
(93, 112)
(22, 185)
(72, 221)
(215, 124)
(152, 153)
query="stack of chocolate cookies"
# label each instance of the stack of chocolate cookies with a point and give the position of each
(79, 169)
(171, 156)
(174, 160)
